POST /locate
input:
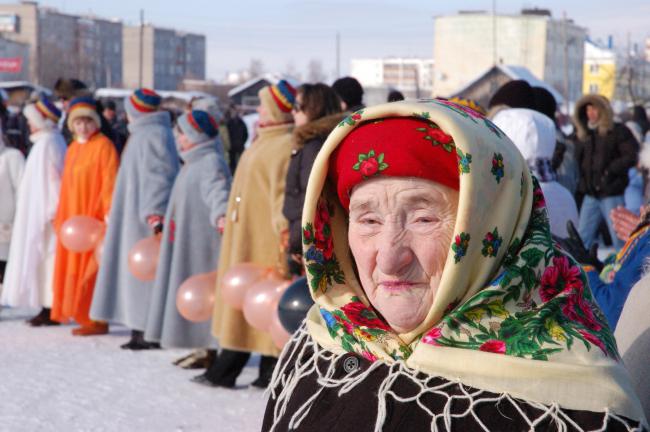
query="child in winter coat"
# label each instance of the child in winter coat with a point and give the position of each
(192, 235)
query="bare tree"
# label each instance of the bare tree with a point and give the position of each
(291, 71)
(256, 68)
(315, 71)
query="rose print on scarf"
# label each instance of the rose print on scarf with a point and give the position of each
(370, 164)
(432, 336)
(437, 136)
(464, 159)
(460, 245)
(352, 119)
(497, 167)
(538, 199)
(494, 346)
(356, 324)
(320, 260)
(491, 243)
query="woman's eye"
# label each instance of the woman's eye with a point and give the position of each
(369, 221)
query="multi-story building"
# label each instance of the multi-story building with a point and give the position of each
(467, 44)
(161, 58)
(412, 76)
(14, 60)
(599, 73)
(100, 52)
(621, 77)
(64, 45)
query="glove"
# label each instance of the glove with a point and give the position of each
(574, 245)
(155, 222)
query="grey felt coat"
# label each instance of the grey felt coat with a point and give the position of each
(144, 182)
(191, 245)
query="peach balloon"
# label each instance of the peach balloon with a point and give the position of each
(236, 282)
(279, 335)
(195, 297)
(81, 233)
(143, 258)
(99, 251)
(260, 300)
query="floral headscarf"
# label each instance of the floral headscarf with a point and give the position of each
(513, 313)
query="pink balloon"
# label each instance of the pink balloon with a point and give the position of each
(260, 300)
(236, 282)
(81, 233)
(99, 251)
(143, 258)
(279, 335)
(195, 297)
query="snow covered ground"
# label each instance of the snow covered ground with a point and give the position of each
(52, 381)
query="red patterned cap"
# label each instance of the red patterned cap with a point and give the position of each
(394, 147)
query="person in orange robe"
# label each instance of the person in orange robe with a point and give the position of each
(87, 182)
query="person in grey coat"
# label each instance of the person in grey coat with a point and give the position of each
(192, 233)
(144, 182)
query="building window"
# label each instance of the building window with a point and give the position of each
(593, 68)
(593, 88)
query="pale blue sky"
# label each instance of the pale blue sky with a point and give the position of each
(289, 31)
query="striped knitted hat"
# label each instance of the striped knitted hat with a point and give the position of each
(42, 114)
(83, 106)
(468, 103)
(143, 101)
(198, 126)
(278, 100)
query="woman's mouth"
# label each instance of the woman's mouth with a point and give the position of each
(398, 285)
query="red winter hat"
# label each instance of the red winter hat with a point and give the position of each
(394, 147)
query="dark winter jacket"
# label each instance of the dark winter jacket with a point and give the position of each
(355, 409)
(238, 134)
(308, 140)
(604, 154)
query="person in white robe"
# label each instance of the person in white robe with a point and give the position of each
(28, 280)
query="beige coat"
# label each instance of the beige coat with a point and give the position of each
(254, 223)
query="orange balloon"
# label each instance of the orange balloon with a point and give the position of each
(279, 335)
(260, 300)
(195, 297)
(143, 258)
(81, 233)
(236, 282)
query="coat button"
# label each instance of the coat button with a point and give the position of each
(350, 364)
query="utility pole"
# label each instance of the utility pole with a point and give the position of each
(566, 62)
(141, 59)
(494, 32)
(338, 55)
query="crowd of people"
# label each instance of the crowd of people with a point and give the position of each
(451, 250)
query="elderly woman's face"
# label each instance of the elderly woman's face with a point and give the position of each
(400, 231)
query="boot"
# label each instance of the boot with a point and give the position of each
(224, 370)
(42, 319)
(138, 343)
(267, 365)
(93, 329)
(199, 359)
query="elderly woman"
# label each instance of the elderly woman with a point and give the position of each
(442, 302)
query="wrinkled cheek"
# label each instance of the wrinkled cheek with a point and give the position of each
(365, 258)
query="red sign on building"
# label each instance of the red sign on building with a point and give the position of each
(11, 64)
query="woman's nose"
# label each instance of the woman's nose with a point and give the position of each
(395, 255)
